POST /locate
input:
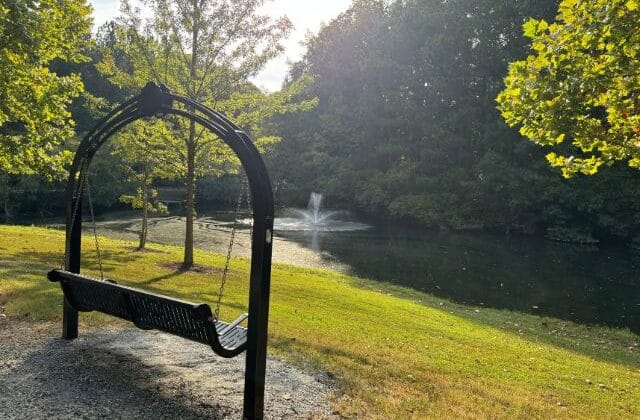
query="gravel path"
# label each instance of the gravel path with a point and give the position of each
(137, 374)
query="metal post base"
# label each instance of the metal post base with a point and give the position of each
(69, 322)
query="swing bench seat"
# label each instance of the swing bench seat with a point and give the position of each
(150, 311)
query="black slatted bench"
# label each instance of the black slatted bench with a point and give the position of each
(150, 311)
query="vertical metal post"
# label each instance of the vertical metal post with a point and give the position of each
(256, 358)
(69, 321)
(74, 217)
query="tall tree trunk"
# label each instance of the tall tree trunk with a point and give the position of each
(187, 263)
(7, 201)
(7, 213)
(191, 180)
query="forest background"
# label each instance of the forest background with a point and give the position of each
(391, 113)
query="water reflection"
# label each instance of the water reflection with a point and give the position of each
(583, 284)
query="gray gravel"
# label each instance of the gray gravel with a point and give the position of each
(137, 374)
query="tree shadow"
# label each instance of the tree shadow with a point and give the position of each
(110, 259)
(17, 267)
(160, 278)
(178, 270)
(39, 298)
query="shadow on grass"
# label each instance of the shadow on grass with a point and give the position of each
(12, 268)
(167, 276)
(196, 297)
(110, 259)
(42, 301)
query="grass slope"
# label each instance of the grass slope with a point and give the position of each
(395, 353)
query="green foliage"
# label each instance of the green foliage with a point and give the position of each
(32, 36)
(407, 129)
(135, 57)
(139, 201)
(23, 196)
(145, 152)
(575, 236)
(207, 52)
(579, 90)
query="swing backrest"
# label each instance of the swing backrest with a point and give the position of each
(150, 311)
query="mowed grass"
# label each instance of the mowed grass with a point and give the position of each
(394, 352)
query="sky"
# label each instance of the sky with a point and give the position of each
(306, 16)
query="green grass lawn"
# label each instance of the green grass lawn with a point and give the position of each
(394, 352)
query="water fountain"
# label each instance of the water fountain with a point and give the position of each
(313, 218)
(314, 207)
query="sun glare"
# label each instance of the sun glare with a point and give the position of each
(306, 16)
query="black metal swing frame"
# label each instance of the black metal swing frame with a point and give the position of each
(151, 311)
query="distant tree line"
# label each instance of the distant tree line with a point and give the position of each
(391, 113)
(407, 127)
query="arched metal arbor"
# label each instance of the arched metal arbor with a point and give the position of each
(157, 101)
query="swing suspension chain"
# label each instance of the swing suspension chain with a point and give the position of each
(82, 185)
(94, 227)
(227, 262)
(249, 211)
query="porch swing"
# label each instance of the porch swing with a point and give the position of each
(149, 311)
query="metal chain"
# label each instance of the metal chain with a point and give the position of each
(247, 191)
(95, 230)
(227, 262)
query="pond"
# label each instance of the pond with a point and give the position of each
(586, 284)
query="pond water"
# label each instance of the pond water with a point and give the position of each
(586, 284)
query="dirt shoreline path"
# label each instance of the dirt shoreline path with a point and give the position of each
(209, 235)
(128, 373)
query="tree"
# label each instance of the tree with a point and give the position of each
(579, 92)
(206, 51)
(34, 117)
(406, 128)
(142, 149)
